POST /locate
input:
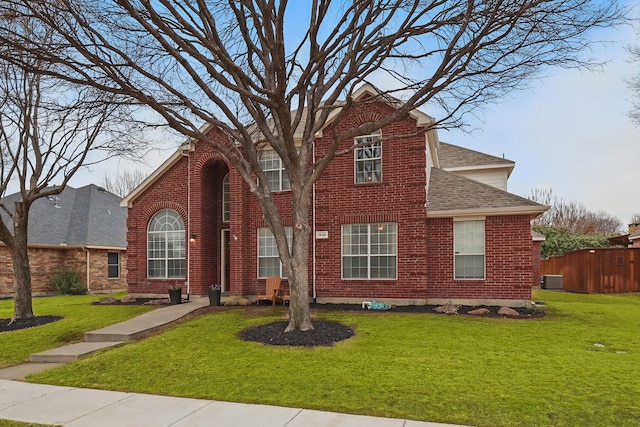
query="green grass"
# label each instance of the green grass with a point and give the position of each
(79, 317)
(8, 423)
(452, 369)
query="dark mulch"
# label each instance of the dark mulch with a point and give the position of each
(525, 312)
(6, 324)
(325, 333)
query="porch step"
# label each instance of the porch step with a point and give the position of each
(70, 353)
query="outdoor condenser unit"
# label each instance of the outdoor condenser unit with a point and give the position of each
(552, 281)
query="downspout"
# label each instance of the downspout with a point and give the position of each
(313, 230)
(88, 258)
(186, 153)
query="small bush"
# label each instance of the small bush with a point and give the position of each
(68, 282)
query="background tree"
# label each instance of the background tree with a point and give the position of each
(246, 68)
(49, 129)
(559, 240)
(573, 216)
(124, 183)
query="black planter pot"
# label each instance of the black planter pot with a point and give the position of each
(175, 295)
(214, 297)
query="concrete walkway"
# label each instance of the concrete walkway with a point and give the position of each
(75, 407)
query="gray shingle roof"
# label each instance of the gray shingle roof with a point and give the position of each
(453, 193)
(453, 156)
(86, 216)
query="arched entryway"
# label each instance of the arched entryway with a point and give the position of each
(214, 215)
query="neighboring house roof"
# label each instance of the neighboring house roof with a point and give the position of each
(86, 216)
(453, 157)
(454, 195)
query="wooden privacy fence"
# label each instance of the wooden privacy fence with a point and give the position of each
(600, 270)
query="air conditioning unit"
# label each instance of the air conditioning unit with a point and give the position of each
(552, 281)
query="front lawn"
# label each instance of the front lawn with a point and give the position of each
(79, 317)
(576, 366)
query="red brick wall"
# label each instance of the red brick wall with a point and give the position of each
(509, 261)
(425, 247)
(44, 262)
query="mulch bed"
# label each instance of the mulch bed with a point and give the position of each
(324, 333)
(6, 325)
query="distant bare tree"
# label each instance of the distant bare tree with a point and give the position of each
(234, 63)
(49, 129)
(124, 183)
(573, 216)
(635, 218)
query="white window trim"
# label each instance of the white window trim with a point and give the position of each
(166, 258)
(226, 199)
(356, 141)
(289, 232)
(342, 256)
(282, 174)
(484, 253)
(119, 265)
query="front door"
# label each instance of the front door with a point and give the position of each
(224, 261)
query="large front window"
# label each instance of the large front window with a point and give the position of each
(166, 245)
(368, 158)
(269, 263)
(271, 164)
(370, 251)
(468, 247)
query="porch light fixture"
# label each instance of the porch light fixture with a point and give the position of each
(192, 238)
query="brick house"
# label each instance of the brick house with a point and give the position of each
(410, 220)
(83, 229)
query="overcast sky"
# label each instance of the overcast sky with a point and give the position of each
(569, 132)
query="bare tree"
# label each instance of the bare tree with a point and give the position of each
(256, 76)
(124, 183)
(49, 129)
(573, 216)
(635, 218)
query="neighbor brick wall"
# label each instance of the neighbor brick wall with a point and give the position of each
(44, 262)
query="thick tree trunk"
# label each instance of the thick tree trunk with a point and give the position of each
(22, 290)
(298, 274)
(23, 307)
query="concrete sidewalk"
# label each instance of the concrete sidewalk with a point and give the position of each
(75, 407)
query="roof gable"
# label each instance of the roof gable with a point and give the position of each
(453, 195)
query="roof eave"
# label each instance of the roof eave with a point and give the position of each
(533, 211)
(187, 147)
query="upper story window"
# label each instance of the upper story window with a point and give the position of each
(226, 199)
(271, 164)
(468, 247)
(368, 158)
(166, 245)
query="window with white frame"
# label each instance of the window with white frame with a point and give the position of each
(269, 263)
(271, 164)
(368, 158)
(226, 199)
(166, 245)
(113, 265)
(370, 251)
(468, 246)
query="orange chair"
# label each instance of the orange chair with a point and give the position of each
(273, 291)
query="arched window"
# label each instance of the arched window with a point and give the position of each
(226, 199)
(166, 245)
